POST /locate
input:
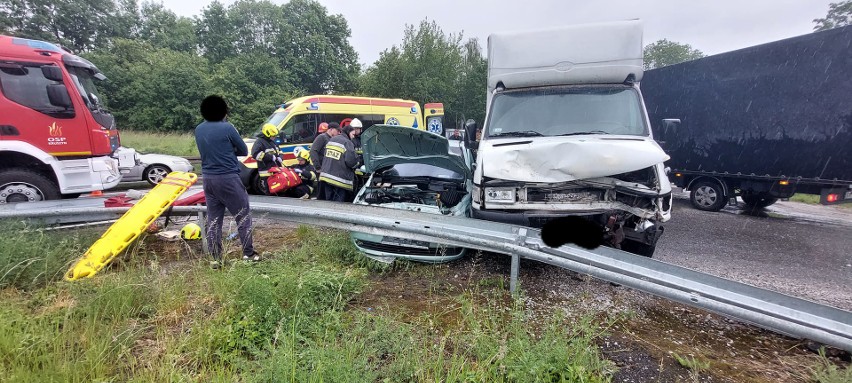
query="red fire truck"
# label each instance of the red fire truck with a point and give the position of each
(56, 140)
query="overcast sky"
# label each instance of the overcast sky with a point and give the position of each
(712, 26)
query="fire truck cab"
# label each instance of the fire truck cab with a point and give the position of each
(56, 139)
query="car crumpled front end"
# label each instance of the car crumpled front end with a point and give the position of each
(431, 198)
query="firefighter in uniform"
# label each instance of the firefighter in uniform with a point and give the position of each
(338, 166)
(306, 171)
(265, 151)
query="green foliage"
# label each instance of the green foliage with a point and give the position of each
(431, 66)
(288, 318)
(256, 54)
(664, 52)
(320, 57)
(32, 258)
(75, 334)
(839, 15)
(60, 21)
(827, 372)
(164, 143)
(161, 28)
(805, 198)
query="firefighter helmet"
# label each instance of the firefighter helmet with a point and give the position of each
(190, 231)
(356, 124)
(304, 154)
(323, 126)
(270, 130)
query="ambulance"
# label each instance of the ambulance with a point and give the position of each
(299, 119)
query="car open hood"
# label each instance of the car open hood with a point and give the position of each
(388, 145)
(563, 159)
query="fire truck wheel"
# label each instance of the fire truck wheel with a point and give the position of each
(18, 185)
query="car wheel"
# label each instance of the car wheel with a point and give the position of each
(18, 185)
(156, 173)
(707, 196)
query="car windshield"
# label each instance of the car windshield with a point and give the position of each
(414, 170)
(85, 84)
(560, 111)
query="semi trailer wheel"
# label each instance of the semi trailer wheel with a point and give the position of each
(757, 201)
(18, 185)
(708, 196)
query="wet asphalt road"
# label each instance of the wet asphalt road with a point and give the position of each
(796, 249)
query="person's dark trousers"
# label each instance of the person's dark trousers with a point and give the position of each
(334, 193)
(321, 190)
(222, 192)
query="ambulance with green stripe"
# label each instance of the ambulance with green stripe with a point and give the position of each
(299, 120)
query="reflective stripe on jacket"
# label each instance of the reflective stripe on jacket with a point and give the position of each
(339, 162)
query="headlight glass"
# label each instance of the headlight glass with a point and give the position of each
(500, 195)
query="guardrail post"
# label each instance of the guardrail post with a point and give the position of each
(513, 275)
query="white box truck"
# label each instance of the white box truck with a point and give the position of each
(566, 134)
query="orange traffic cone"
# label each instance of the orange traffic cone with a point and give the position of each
(96, 193)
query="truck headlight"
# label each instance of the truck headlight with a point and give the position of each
(500, 195)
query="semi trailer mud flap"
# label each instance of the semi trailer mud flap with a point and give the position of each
(133, 223)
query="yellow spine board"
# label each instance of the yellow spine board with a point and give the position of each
(133, 223)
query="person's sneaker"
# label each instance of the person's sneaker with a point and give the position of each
(255, 257)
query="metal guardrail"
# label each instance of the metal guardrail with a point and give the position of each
(768, 309)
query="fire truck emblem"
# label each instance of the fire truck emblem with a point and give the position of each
(56, 137)
(55, 130)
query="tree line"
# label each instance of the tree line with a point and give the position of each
(258, 54)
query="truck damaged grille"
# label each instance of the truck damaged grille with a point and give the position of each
(577, 195)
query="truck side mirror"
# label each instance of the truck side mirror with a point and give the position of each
(52, 73)
(470, 129)
(57, 94)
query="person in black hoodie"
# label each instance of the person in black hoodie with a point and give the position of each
(265, 151)
(306, 172)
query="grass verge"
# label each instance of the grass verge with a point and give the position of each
(161, 143)
(285, 319)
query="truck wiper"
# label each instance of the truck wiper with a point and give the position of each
(582, 133)
(525, 133)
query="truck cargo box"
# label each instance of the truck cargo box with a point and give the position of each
(782, 109)
(603, 53)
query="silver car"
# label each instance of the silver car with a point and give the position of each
(154, 167)
(411, 169)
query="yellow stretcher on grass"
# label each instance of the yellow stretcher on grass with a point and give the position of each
(133, 223)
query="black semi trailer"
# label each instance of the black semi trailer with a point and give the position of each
(760, 123)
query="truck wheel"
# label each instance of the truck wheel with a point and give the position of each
(707, 196)
(756, 201)
(17, 185)
(638, 248)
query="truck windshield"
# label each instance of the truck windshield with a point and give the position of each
(275, 119)
(85, 84)
(566, 111)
